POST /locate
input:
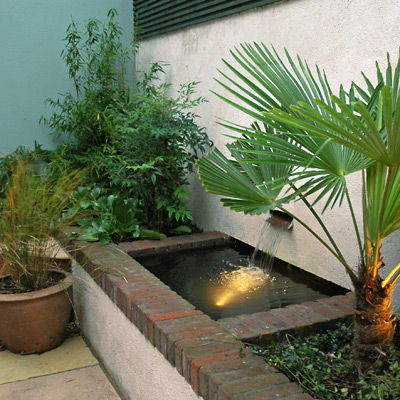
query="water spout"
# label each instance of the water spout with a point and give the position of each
(280, 220)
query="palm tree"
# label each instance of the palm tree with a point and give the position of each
(308, 140)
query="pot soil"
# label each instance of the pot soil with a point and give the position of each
(36, 322)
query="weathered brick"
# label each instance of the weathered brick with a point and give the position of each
(156, 245)
(162, 329)
(313, 320)
(211, 335)
(150, 292)
(273, 322)
(291, 315)
(238, 328)
(168, 241)
(348, 300)
(326, 312)
(129, 247)
(197, 363)
(151, 320)
(214, 237)
(188, 350)
(182, 242)
(241, 364)
(267, 325)
(285, 391)
(335, 304)
(242, 387)
(146, 308)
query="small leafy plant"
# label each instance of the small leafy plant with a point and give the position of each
(110, 218)
(322, 365)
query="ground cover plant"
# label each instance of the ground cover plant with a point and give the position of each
(322, 366)
(310, 141)
(136, 142)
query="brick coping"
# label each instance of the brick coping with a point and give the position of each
(209, 354)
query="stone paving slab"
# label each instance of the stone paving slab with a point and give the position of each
(79, 384)
(72, 354)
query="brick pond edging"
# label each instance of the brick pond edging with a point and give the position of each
(209, 354)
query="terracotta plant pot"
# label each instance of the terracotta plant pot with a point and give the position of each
(35, 322)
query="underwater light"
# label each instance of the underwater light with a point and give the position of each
(241, 281)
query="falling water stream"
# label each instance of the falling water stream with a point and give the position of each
(268, 242)
(229, 281)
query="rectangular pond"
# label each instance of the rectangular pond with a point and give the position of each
(221, 282)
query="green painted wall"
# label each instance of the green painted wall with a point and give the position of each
(31, 69)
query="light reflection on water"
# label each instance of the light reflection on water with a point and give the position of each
(241, 281)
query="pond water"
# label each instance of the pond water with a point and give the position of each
(222, 282)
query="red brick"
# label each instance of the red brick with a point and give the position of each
(323, 310)
(266, 324)
(348, 300)
(150, 292)
(165, 327)
(242, 364)
(238, 328)
(292, 316)
(129, 247)
(182, 242)
(143, 245)
(214, 359)
(213, 238)
(158, 307)
(139, 286)
(211, 332)
(285, 391)
(307, 313)
(243, 386)
(171, 299)
(170, 245)
(156, 245)
(121, 300)
(212, 335)
(188, 350)
(176, 315)
(335, 304)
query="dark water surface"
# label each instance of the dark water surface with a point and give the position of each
(220, 282)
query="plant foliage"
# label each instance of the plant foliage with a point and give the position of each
(322, 366)
(310, 141)
(32, 220)
(138, 143)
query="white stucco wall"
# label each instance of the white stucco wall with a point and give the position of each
(343, 36)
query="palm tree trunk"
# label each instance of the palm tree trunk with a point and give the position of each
(374, 320)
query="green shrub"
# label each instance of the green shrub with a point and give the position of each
(138, 143)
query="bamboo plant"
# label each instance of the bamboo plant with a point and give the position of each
(307, 141)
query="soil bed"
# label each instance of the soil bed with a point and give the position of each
(8, 286)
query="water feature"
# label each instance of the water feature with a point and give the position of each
(264, 253)
(222, 282)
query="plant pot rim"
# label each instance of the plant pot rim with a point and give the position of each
(14, 297)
